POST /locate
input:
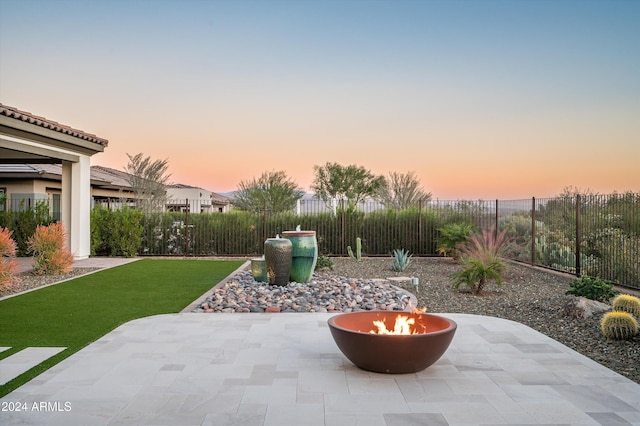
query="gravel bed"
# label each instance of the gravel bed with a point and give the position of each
(29, 280)
(323, 293)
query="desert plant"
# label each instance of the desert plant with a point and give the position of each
(324, 263)
(401, 260)
(50, 256)
(478, 271)
(592, 288)
(8, 266)
(619, 325)
(626, 303)
(357, 256)
(482, 259)
(452, 235)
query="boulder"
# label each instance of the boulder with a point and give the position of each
(583, 308)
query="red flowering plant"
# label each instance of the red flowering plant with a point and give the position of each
(50, 257)
(8, 266)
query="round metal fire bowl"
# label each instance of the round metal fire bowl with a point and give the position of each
(393, 354)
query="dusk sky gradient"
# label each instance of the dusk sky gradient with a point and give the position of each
(482, 99)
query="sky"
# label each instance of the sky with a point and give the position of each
(481, 99)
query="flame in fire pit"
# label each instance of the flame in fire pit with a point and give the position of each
(402, 326)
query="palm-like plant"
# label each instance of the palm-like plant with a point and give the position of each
(482, 258)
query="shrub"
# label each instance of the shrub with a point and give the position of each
(23, 222)
(401, 260)
(592, 288)
(7, 264)
(116, 232)
(50, 257)
(626, 303)
(324, 263)
(482, 259)
(452, 235)
(619, 325)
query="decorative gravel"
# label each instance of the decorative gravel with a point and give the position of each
(323, 293)
(29, 280)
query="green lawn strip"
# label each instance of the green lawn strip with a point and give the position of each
(75, 313)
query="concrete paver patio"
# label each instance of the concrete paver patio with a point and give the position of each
(285, 369)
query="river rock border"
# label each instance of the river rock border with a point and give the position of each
(323, 293)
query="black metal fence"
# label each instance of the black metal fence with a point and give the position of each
(594, 235)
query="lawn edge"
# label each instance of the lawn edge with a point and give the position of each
(190, 308)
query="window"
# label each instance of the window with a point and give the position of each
(3, 199)
(55, 207)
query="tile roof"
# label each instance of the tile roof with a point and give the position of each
(98, 174)
(49, 124)
(113, 176)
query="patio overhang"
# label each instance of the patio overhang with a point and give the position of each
(26, 138)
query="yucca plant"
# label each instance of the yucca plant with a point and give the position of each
(482, 258)
(401, 260)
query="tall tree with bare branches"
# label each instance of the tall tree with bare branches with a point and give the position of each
(402, 190)
(148, 179)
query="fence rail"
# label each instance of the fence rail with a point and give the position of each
(594, 235)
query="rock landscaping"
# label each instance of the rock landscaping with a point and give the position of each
(324, 293)
(530, 296)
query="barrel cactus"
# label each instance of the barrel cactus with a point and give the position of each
(627, 303)
(619, 325)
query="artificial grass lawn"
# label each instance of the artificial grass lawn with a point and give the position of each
(75, 313)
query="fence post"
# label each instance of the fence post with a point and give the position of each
(264, 221)
(533, 230)
(186, 229)
(495, 233)
(342, 226)
(420, 227)
(578, 232)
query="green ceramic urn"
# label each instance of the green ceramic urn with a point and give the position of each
(277, 259)
(304, 254)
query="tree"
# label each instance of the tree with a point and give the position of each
(273, 190)
(401, 191)
(351, 183)
(148, 179)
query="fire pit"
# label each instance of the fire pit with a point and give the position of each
(392, 342)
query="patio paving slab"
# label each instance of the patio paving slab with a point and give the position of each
(16, 364)
(285, 369)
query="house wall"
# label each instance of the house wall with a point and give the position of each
(199, 200)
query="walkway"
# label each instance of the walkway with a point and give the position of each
(285, 369)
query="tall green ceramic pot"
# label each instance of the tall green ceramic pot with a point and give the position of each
(304, 254)
(277, 258)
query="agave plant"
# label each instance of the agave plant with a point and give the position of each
(482, 258)
(401, 260)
